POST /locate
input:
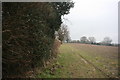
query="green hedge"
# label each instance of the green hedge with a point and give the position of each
(28, 34)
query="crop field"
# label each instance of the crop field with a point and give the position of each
(84, 61)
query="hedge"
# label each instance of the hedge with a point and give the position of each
(28, 34)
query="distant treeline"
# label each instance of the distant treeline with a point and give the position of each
(91, 40)
(96, 43)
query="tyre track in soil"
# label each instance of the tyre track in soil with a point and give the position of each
(90, 63)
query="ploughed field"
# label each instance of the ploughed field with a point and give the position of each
(83, 61)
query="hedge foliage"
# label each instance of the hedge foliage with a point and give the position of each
(28, 34)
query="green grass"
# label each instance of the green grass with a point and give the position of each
(72, 65)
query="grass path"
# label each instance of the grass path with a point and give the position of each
(75, 62)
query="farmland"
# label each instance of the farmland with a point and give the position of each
(83, 61)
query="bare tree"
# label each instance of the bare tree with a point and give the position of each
(63, 33)
(92, 40)
(68, 39)
(83, 39)
(107, 41)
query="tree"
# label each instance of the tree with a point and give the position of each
(107, 41)
(91, 40)
(83, 39)
(63, 33)
(68, 39)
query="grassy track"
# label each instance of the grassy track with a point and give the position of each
(84, 61)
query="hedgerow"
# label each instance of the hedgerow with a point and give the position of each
(28, 34)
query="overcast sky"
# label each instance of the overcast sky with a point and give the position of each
(93, 18)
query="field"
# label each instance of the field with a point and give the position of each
(83, 61)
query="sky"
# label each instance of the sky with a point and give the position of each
(93, 18)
